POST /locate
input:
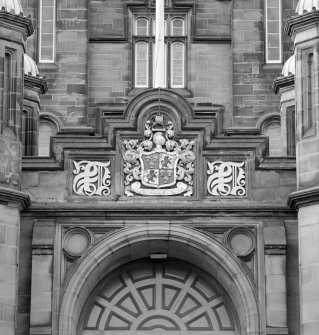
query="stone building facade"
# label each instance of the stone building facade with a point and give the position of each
(125, 209)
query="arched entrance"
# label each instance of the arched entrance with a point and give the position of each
(158, 296)
(177, 242)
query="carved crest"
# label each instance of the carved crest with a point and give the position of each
(159, 165)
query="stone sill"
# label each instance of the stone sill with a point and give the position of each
(278, 163)
(39, 163)
(277, 331)
(182, 91)
(271, 67)
(48, 67)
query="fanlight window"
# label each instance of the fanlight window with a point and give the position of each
(160, 296)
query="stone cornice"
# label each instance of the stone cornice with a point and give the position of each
(14, 198)
(283, 83)
(38, 84)
(303, 198)
(300, 23)
(38, 163)
(17, 23)
(177, 212)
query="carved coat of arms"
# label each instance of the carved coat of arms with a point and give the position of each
(159, 165)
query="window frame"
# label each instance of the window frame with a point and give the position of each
(291, 131)
(10, 117)
(169, 40)
(308, 94)
(171, 64)
(147, 67)
(7, 87)
(267, 60)
(46, 61)
(44, 120)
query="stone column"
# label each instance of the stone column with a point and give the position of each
(14, 30)
(304, 31)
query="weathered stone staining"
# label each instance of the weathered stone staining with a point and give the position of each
(14, 30)
(159, 210)
(303, 29)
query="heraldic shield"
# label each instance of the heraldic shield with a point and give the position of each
(158, 165)
(158, 169)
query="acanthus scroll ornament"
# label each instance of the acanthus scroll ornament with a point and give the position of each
(226, 178)
(91, 178)
(159, 165)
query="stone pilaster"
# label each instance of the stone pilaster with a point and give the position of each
(42, 277)
(275, 277)
(304, 31)
(11, 202)
(307, 203)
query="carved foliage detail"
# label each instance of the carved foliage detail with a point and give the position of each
(10, 159)
(226, 178)
(91, 178)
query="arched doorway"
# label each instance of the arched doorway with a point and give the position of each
(181, 243)
(171, 296)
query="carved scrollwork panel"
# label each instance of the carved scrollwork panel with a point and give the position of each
(226, 178)
(91, 178)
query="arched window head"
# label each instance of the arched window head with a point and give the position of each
(47, 129)
(272, 129)
(178, 27)
(141, 27)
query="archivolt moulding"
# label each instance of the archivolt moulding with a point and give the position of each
(140, 242)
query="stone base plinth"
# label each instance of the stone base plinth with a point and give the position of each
(9, 241)
(309, 268)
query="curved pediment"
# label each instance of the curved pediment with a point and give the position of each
(173, 106)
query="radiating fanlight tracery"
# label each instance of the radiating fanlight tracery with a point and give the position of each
(158, 297)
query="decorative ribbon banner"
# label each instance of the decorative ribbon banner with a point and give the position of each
(91, 178)
(180, 188)
(226, 178)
